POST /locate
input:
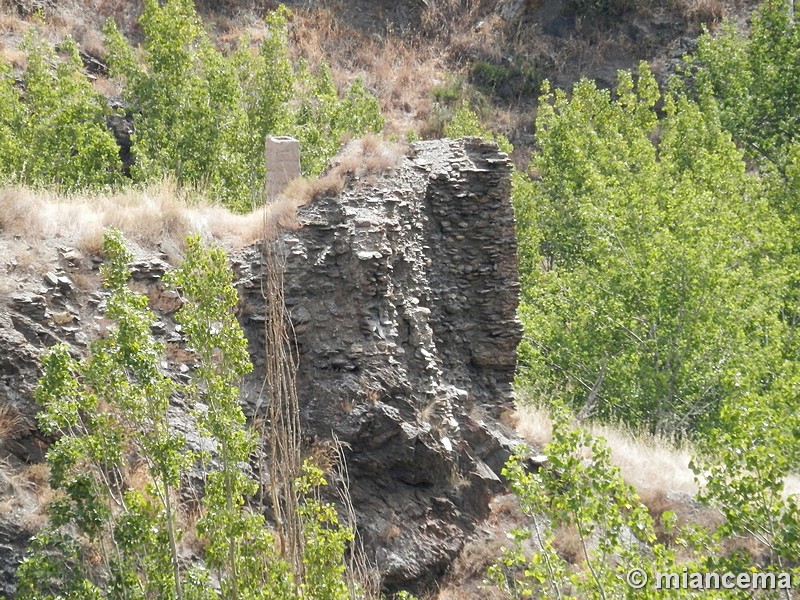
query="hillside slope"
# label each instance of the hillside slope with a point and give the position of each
(422, 57)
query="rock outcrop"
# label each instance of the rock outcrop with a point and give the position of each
(402, 292)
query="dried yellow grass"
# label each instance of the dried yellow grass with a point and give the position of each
(710, 12)
(162, 215)
(156, 216)
(301, 191)
(651, 464)
(396, 67)
(655, 466)
(27, 493)
(10, 23)
(11, 423)
(370, 156)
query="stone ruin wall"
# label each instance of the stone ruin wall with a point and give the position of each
(403, 293)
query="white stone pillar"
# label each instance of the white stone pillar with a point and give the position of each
(283, 163)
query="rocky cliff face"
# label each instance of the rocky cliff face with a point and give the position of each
(403, 296)
(402, 292)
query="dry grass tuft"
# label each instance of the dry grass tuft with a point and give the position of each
(89, 39)
(567, 542)
(368, 156)
(649, 463)
(710, 12)
(157, 216)
(652, 465)
(26, 494)
(138, 476)
(62, 317)
(18, 211)
(12, 424)
(282, 211)
(389, 533)
(14, 57)
(11, 25)
(107, 87)
(466, 577)
(477, 555)
(191, 541)
(399, 69)
(451, 21)
(299, 192)
(323, 455)
(84, 281)
(161, 216)
(534, 425)
(91, 242)
(38, 475)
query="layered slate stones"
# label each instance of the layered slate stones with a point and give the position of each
(403, 292)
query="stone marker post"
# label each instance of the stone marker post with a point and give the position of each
(283, 163)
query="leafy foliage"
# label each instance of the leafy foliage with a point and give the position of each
(466, 123)
(11, 124)
(325, 541)
(580, 490)
(101, 409)
(189, 118)
(322, 118)
(112, 536)
(641, 267)
(55, 133)
(744, 464)
(239, 548)
(204, 117)
(659, 263)
(756, 81)
(511, 81)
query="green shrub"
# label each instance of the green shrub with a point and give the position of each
(635, 258)
(267, 79)
(204, 117)
(466, 123)
(99, 410)
(55, 132)
(12, 117)
(512, 81)
(579, 490)
(449, 92)
(187, 103)
(744, 465)
(109, 413)
(755, 79)
(322, 118)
